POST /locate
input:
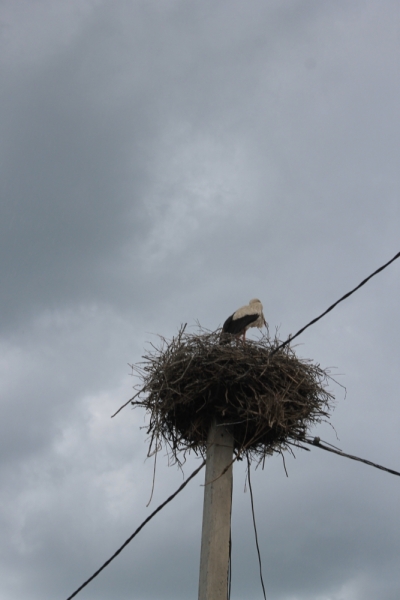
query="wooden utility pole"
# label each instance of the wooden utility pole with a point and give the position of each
(214, 560)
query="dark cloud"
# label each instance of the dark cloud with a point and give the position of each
(163, 162)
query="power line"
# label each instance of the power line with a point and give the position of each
(317, 442)
(292, 337)
(180, 488)
(255, 527)
(230, 549)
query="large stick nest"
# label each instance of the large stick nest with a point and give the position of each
(268, 399)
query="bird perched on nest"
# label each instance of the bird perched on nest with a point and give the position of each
(245, 317)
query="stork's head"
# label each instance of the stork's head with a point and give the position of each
(255, 301)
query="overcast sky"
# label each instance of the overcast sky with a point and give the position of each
(162, 162)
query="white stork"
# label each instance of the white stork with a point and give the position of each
(245, 317)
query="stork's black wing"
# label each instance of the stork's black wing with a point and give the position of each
(236, 326)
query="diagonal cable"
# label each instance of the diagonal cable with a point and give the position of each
(291, 338)
(317, 442)
(180, 488)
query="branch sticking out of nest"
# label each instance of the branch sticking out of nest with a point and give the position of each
(268, 401)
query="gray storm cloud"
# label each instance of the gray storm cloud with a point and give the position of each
(163, 162)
